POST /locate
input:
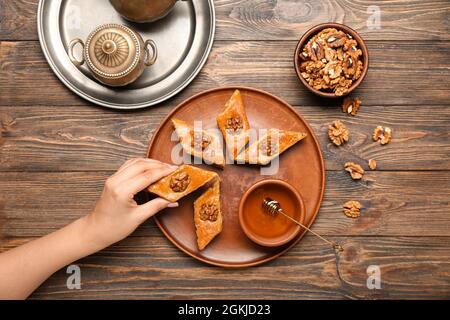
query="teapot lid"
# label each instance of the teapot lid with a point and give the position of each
(112, 51)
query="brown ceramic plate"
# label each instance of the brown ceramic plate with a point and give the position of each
(302, 166)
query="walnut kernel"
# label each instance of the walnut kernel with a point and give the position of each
(315, 51)
(337, 40)
(234, 124)
(352, 209)
(200, 140)
(372, 164)
(387, 136)
(180, 181)
(209, 211)
(268, 146)
(383, 134)
(377, 133)
(338, 133)
(351, 105)
(356, 171)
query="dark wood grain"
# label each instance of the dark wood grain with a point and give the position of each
(40, 139)
(150, 267)
(396, 75)
(395, 203)
(18, 19)
(288, 20)
(283, 19)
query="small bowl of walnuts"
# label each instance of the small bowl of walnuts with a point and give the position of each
(331, 60)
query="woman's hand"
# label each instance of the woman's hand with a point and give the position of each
(116, 214)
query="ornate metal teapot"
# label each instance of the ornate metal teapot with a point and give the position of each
(115, 54)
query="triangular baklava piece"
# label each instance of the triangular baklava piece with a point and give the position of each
(233, 123)
(180, 183)
(271, 145)
(208, 217)
(199, 143)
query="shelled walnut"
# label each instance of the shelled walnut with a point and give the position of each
(180, 182)
(382, 134)
(338, 133)
(352, 209)
(337, 40)
(200, 140)
(209, 211)
(372, 164)
(387, 136)
(355, 170)
(268, 147)
(351, 105)
(234, 124)
(377, 133)
(315, 50)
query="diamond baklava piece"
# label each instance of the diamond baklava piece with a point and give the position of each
(208, 216)
(233, 123)
(200, 143)
(185, 180)
(270, 146)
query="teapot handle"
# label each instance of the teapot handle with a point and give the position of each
(72, 58)
(150, 59)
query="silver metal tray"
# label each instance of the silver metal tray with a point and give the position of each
(184, 39)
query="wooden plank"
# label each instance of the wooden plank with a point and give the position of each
(90, 139)
(150, 267)
(283, 19)
(395, 203)
(18, 20)
(48, 133)
(288, 20)
(26, 79)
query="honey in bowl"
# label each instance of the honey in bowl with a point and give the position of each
(263, 228)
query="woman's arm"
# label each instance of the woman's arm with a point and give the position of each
(114, 217)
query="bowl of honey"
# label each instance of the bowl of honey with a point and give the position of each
(271, 230)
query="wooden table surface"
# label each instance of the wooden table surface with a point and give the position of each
(56, 150)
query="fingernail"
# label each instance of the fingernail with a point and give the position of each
(173, 205)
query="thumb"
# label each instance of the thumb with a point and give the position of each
(152, 207)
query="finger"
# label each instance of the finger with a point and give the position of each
(132, 161)
(123, 166)
(126, 163)
(139, 167)
(137, 183)
(147, 210)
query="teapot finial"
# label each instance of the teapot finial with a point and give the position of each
(109, 47)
